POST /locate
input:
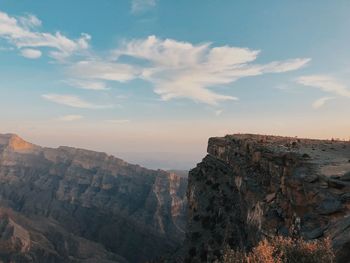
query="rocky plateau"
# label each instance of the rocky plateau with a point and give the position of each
(251, 187)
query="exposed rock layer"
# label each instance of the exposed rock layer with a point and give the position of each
(44, 240)
(250, 186)
(125, 209)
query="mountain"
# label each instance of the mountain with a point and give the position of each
(75, 205)
(250, 187)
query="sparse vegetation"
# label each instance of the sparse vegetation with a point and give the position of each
(284, 250)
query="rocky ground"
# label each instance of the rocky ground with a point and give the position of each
(251, 186)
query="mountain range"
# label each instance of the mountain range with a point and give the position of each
(74, 205)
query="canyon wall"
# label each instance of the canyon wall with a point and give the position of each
(250, 187)
(94, 201)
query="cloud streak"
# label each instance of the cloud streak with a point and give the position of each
(182, 70)
(87, 84)
(23, 33)
(321, 102)
(73, 101)
(104, 70)
(31, 53)
(325, 83)
(70, 118)
(121, 121)
(140, 6)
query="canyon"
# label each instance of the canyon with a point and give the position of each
(74, 205)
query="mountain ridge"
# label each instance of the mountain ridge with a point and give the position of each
(132, 211)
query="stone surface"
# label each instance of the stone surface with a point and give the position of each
(127, 210)
(44, 240)
(251, 186)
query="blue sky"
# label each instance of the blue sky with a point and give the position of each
(140, 78)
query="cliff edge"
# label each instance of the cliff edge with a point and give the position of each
(252, 186)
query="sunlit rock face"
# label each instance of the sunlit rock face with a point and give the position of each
(135, 213)
(249, 187)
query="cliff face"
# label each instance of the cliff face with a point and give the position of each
(128, 210)
(44, 240)
(249, 187)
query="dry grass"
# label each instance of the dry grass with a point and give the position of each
(284, 250)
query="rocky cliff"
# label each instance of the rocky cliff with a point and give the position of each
(249, 187)
(72, 203)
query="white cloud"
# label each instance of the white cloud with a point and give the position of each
(325, 83)
(73, 101)
(31, 53)
(70, 118)
(104, 70)
(139, 6)
(22, 32)
(87, 84)
(175, 69)
(321, 102)
(183, 70)
(29, 21)
(285, 66)
(118, 121)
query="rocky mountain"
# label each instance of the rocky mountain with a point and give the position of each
(250, 186)
(74, 205)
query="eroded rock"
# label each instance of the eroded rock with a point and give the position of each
(136, 213)
(251, 186)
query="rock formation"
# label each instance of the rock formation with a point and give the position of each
(61, 205)
(44, 240)
(249, 187)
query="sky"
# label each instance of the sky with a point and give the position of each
(151, 80)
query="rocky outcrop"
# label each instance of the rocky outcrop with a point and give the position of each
(249, 187)
(130, 211)
(43, 240)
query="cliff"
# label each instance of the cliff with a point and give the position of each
(250, 186)
(89, 199)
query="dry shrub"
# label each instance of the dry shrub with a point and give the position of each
(284, 250)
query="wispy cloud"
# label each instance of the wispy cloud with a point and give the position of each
(139, 6)
(122, 121)
(175, 69)
(29, 21)
(70, 118)
(181, 69)
(73, 101)
(23, 32)
(321, 102)
(105, 70)
(31, 53)
(325, 83)
(87, 84)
